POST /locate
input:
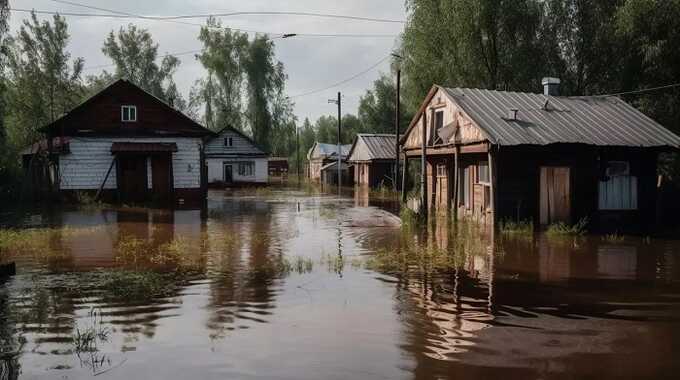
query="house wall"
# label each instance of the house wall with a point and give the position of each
(468, 132)
(216, 169)
(85, 167)
(241, 145)
(315, 169)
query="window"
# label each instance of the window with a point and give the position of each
(128, 113)
(438, 120)
(618, 189)
(228, 142)
(441, 170)
(483, 173)
(246, 169)
(464, 187)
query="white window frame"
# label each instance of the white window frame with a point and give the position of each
(246, 169)
(128, 108)
(478, 171)
(229, 142)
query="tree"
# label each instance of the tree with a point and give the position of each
(223, 56)
(43, 81)
(135, 53)
(481, 43)
(377, 108)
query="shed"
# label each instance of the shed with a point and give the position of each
(373, 157)
(499, 155)
(321, 154)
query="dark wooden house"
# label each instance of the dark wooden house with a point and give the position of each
(373, 156)
(125, 144)
(495, 155)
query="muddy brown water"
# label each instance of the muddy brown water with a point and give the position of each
(292, 285)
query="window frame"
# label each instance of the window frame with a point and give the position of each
(230, 144)
(246, 169)
(128, 107)
(478, 173)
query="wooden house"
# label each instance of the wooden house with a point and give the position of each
(373, 156)
(233, 158)
(321, 155)
(125, 144)
(495, 156)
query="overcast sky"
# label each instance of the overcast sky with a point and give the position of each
(311, 62)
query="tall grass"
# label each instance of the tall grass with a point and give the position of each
(522, 227)
(564, 229)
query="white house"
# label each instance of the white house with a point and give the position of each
(233, 158)
(123, 144)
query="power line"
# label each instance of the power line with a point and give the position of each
(127, 16)
(159, 57)
(639, 91)
(249, 13)
(342, 81)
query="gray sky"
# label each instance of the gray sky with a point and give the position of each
(311, 62)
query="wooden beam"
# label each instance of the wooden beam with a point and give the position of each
(456, 185)
(450, 149)
(423, 167)
(493, 200)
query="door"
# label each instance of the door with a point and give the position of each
(132, 178)
(228, 174)
(160, 177)
(555, 195)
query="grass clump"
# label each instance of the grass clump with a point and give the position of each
(521, 227)
(409, 217)
(41, 243)
(614, 238)
(138, 284)
(87, 339)
(384, 193)
(564, 229)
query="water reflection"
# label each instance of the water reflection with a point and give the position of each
(216, 293)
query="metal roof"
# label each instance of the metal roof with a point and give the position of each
(543, 119)
(322, 150)
(373, 146)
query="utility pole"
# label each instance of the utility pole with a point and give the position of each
(396, 134)
(396, 123)
(297, 151)
(339, 103)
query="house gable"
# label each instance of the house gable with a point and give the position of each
(457, 126)
(124, 109)
(238, 144)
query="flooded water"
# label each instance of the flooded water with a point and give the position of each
(284, 284)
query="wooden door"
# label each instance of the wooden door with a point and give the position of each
(132, 178)
(555, 195)
(228, 174)
(161, 178)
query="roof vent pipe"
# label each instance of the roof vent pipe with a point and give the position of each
(551, 86)
(512, 114)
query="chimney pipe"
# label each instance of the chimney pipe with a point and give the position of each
(551, 86)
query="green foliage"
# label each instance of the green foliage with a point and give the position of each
(377, 108)
(134, 53)
(522, 227)
(564, 229)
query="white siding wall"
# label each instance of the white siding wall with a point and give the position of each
(216, 171)
(240, 145)
(90, 158)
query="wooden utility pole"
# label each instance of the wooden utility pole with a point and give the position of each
(339, 143)
(423, 167)
(396, 133)
(297, 151)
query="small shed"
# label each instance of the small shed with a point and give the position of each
(329, 173)
(278, 166)
(321, 154)
(497, 155)
(234, 159)
(373, 157)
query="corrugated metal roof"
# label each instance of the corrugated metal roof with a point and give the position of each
(543, 119)
(320, 150)
(373, 146)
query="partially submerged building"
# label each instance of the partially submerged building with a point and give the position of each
(321, 155)
(233, 158)
(496, 155)
(123, 144)
(278, 166)
(373, 157)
